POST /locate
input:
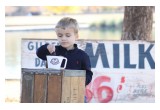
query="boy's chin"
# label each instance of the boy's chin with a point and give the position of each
(64, 46)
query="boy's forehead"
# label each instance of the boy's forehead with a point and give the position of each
(64, 29)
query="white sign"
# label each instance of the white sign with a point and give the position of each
(123, 71)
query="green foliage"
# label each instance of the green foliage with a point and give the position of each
(103, 25)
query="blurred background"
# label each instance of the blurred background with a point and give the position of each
(38, 22)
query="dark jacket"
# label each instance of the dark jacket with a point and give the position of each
(77, 59)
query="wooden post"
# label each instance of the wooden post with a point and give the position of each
(40, 86)
(52, 86)
(54, 89)
(27, 87)
(73, 86)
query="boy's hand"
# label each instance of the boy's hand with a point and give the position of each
(51, 48)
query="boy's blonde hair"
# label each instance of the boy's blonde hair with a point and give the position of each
(68, 22)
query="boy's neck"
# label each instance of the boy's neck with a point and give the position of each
(70, 48)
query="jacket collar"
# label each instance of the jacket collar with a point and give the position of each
(64, 49)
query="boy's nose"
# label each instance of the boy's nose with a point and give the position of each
(64, 38)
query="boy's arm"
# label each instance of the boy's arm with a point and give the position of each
(42, 52)
(86, 65)
(88, 77)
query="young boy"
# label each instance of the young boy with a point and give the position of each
(67, 33)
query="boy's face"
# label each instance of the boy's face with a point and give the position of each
(66, 37)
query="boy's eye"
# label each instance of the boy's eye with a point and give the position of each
(68, 35)
(59, 36)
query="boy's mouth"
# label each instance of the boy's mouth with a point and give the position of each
(64, 43)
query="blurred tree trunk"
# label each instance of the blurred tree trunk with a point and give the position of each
(137, 24)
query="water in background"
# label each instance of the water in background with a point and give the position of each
(13, 45)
